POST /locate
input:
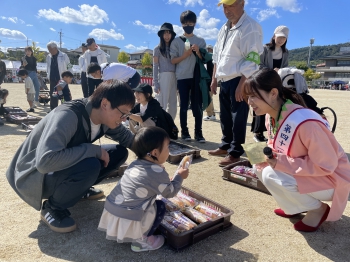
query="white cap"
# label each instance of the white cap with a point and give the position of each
(281, 30)
(209, 46)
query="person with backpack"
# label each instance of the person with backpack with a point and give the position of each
(148, 112)
(58, 160)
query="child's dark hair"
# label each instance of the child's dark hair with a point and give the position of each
(266, 79)
(162, 45)
(30, 49)
(22, 72)
(67, 74)
(93, 67)
(188, 16)
(148, 139)
(272, 45)
(116, 92)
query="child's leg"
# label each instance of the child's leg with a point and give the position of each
(159, 216)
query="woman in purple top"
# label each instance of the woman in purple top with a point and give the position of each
(29, 63)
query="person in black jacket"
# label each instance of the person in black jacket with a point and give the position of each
(148, 111)
(2, 71)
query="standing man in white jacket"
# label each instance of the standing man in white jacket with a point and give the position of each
(57, 62)
(84, 85)
(93, 55)
(236, 57)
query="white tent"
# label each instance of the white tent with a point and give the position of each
(15, 65)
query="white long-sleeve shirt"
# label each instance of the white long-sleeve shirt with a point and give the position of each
(238, 49)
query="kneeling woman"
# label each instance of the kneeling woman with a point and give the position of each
(309, 165)
(147, 111)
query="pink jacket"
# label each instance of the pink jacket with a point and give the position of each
(317, 162)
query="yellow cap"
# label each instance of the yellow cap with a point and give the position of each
(226, 2)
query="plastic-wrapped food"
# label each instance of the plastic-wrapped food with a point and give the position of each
(189, 201)
(207, 210)
(176, 223)
(183, 219)
(170, 206)
(177, 202)
(244, 170)
(171, 227)
(195, 215)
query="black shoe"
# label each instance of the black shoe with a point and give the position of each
(260, 138)
(185, 135)
(93, 193)
(57, 220)
(199, 136)
(30, 110)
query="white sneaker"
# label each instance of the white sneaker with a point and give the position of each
(148, 243)
(207, 118)
(36, 103)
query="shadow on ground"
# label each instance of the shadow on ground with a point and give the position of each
(89, 244)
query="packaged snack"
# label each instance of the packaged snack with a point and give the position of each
(170, 206)
(207, 210)
(189, 201)
(177, 202)
(183, 219)
(185, 162)
(171, 227)
(176, 223)
(195, 215)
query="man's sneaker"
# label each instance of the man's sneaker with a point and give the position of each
(185, 135)
(57, 220)
(148, 243)
(93, 193)
(30, 110)
(199, 136)
(208, 118)
(259, 138)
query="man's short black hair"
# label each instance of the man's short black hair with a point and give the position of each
(67, 73)
(22, 72)
(93, 67)
(188, 17)
(90, 41)
(116, 92)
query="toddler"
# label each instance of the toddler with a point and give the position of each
(29, 88)
(131, 212)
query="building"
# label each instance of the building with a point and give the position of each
(139, 54)
(111, 51)
(336, 67)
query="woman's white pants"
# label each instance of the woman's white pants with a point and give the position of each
(284, 189)
(167, 97)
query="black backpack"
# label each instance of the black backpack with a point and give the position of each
(170, 126)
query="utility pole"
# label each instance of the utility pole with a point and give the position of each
(27, 41)
(312, 40)
(60, 38)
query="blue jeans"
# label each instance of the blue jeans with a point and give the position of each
(233, 118)
(34, 77)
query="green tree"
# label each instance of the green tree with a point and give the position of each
(2, 55)
(123, 57)
(39, 55)
(302, 66)
(146, 60)
(311, 74)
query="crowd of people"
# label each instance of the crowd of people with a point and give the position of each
(58, 164)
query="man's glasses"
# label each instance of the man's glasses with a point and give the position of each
(124, 115)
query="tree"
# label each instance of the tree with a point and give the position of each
(302, 66)
(311, 74)
(39, 55)
(146, 60)
(123, 57)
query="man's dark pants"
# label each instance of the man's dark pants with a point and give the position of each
(53, 100)
(93, 84)
(186, 91)
(84, 84)
(65, 188)
(233, 118)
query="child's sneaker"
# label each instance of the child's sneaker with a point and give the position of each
(30, 110)
(148, 243)
(207, 118)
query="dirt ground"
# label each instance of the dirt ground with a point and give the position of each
(257, 233)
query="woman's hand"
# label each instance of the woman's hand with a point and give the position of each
(272, 162)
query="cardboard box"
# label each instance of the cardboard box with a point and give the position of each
(242, 179)
(178, 150)
(201, 231)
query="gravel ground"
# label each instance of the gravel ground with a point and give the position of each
(256, 235)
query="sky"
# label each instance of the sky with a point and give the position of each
(133, 25)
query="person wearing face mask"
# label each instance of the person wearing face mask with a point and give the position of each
(185, 61)
(275, 56)
(210, 109)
